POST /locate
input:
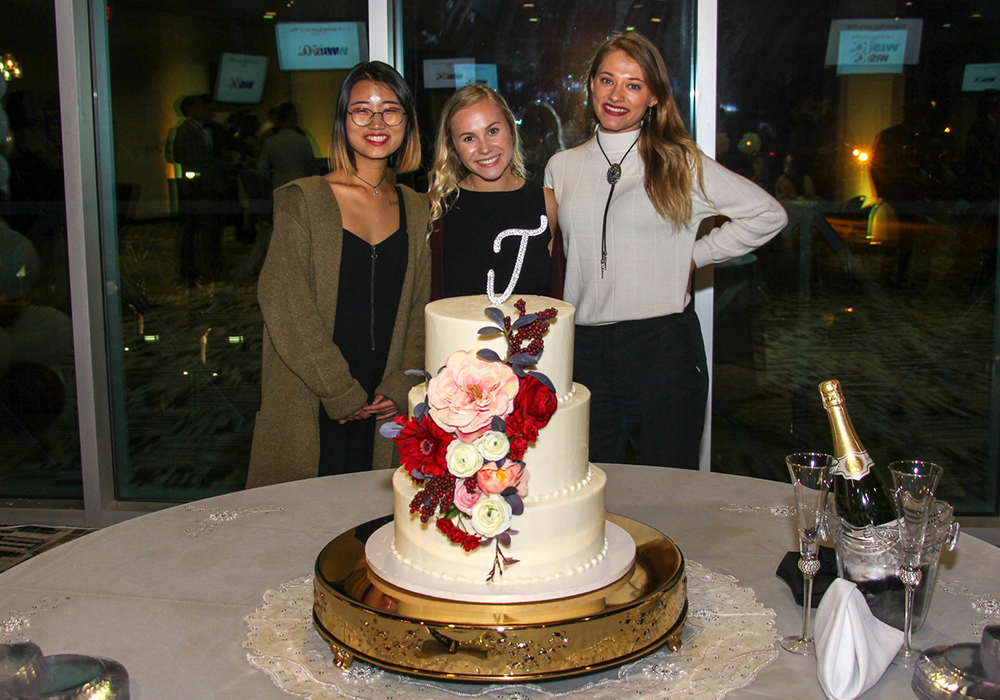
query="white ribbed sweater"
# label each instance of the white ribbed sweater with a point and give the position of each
(648, 261)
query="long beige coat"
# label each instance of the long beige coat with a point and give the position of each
(302, 366)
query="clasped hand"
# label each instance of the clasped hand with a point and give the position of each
(380, 408)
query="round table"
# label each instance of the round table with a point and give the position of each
(166, 594)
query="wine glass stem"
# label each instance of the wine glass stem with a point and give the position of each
(807, 607)
(908, 618)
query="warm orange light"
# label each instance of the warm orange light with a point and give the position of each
(862, 157)
(849, 309)
(947, 130)
(857, 152)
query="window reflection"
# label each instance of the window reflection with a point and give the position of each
(39, 437)
(213, 105)
(535, 54)
(884, 151)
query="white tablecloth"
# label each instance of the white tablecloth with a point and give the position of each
(166, 594)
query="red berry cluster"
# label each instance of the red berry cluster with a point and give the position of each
(468, 542)
(435, 496)
(532, 333)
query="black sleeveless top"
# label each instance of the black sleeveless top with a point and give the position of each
(471, 225)
(371, 281)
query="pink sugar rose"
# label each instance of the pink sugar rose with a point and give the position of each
(468, 392)
(510, 474)
(467, 495)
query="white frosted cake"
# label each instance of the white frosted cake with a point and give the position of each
(557, 528)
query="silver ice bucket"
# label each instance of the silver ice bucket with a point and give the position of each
(868, 557)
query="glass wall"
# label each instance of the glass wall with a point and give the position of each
(196, 91)
(875, 125)
(39, 437)
(536, 55)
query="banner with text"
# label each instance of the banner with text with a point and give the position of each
(872, 46)
(241, 78)
(321, 45)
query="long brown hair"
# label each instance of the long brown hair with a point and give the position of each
(669, 155)
(448, 169)
(407, 157)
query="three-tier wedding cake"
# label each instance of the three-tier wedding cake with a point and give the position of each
(496, 488)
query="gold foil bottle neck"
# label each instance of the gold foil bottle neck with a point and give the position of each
(831, 393)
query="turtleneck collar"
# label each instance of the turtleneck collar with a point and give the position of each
(615, 145)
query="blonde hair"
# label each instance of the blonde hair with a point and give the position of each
(407, 157)
(448, 169)
(670, 157)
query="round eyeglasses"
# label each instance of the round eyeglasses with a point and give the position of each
(390, 117)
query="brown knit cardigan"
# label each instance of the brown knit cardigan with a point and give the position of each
(302, 367)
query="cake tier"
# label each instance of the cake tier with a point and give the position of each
(556, 537)
(557, 461)
(453, 324)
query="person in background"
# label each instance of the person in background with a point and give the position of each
(342, 292)
(630, 202)
(202, 189)
(286, 154)
(478, 188)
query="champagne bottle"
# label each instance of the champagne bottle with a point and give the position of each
(861, 498)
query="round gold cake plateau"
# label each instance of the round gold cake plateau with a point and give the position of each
(363, 617)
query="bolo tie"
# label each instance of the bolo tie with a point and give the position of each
(614, 175)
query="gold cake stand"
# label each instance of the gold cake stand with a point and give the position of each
(363, 617)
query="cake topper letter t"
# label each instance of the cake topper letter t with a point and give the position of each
(525, 234)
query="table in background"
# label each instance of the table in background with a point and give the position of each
(166, 594)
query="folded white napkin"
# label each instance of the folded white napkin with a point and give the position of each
(853, 648)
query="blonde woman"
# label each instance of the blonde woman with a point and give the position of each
(631, 199)
(478, 189)
(342, 292)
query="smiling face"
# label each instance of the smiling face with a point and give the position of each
(620, 93)
(484, 142)
(377, 141)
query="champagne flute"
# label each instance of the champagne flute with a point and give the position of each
(914, 482)
(810, 474)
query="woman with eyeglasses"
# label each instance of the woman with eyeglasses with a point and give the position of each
(342, 292)
(631, 200)
(478, 188)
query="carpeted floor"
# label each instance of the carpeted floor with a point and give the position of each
(21, 542)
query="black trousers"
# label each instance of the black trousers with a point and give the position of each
(649, 386)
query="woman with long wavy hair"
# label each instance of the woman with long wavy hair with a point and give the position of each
(478, 188)
(342, 292)
(630, 202)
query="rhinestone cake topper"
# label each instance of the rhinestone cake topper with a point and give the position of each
(525, 234)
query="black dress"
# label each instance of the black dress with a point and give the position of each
(371, 281)
(471, 225)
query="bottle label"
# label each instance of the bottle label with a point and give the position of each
(853, 465)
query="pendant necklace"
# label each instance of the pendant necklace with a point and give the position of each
(614, 175)
(375, 186)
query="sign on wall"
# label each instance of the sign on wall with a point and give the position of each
(320, 45)
(476, 74)
(240, 78)
(441, 72)
(873, 46)
(981, 76)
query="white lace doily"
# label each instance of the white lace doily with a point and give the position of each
(728, 638)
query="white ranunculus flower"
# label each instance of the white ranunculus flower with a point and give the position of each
(493, 445)
(463, 458)
(491, 516)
